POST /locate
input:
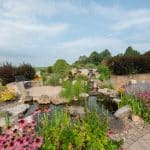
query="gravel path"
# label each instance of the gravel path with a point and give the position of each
(133, 134)
(50, 91)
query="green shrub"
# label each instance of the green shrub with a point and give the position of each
(49, 69)
(61, 67)
(26, 70)
(54, 79)
(7, 73)
(104, 72)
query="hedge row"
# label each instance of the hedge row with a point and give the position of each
(125, 65)
(8, 72)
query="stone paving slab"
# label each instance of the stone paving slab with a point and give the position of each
(142, 143)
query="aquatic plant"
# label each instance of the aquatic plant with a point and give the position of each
(73, 89)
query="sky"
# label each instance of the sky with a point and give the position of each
(41, 31)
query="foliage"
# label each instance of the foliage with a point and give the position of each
(107, 84)
(71, 90)
(26, 70)
(49, 69)
(7, 73)
(136, 105)
(21, 136)
(129, 64)
(131, 52)
(61, 67)
(90, 66)
(5, 94)
(104, 72)
(60, 131)
(95, 58)
(54, 79)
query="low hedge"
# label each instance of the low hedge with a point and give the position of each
(124, 65)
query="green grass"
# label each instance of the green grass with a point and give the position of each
(71, 90)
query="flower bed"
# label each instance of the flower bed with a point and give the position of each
(59, 130)
(6, 94)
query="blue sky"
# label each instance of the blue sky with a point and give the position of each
(41, 31)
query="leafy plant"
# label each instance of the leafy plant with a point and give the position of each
(60, 131)
(137, 106)
(104, 72)
(71, 90)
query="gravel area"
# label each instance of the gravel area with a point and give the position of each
(132, 132)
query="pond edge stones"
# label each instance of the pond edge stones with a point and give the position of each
(123, 113)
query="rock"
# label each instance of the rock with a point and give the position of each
(74, 71)
(136, 118)
(28, 99)
(117, 100)
(59, 100)
(17, 110)
(108, 92)
(44, 99)
(76, 110)
(123, 113)
(84, 72)
(83, 95)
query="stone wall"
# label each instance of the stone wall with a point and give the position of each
(118, 81)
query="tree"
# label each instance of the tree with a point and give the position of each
(104, 55)
(147, 53)
(131, 52)
(49, 69)
(94, 58)
(61, 67)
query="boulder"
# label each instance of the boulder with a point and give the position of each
(123, 112)
(17, 110)
(76, 110)
(84, 72)
(57, 100)
(28, 99)
(74, 71)
(44, 99)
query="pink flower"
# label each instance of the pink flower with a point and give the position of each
(38, 142)
(22, 123)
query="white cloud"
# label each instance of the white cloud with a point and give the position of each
(136, 18)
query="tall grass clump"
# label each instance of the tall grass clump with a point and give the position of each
(74, 89)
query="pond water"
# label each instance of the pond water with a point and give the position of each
(91, 104)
